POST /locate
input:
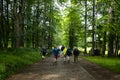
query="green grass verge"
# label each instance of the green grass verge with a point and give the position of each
(13, 60)
(109, 63)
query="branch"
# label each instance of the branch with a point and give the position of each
(117, 3)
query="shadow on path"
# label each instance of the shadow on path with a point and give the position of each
(48, 70)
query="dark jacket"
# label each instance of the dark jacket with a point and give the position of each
(76, 52)
(55, 51)
(69, 52)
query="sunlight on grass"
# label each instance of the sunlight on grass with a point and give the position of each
(110, 63)
(82, 49)
(14, 59)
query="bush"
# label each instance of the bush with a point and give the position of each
(10, 58)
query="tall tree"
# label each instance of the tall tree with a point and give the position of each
(7, 26)
(111, 35)
(1, 24)
(28, 23)
(93, 27)
(16, 24)
(85, 34)
(21, 22)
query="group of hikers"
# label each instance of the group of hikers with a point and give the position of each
(64, 52)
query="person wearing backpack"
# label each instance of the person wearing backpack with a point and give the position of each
(43, 51)
(76, 53)
(69, 54)
(55, 53)
(64, 53)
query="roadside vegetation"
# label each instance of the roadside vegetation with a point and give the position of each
(112, 63)
(12, 60)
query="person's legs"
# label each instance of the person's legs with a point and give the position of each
(75, 59)
(68, 58)
(43, 55)
(56, 56)
(64, 58)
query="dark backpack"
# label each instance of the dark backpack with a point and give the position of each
(62, 48)
(76, 52)
(69, 51)
(44, 50)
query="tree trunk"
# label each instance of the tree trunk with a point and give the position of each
(30, 26)
(21, 22)
(44, 24)
(16, 25)
(117, 45)
(37, 25)
(71, 36)
(104, 44)
(1, 24)
(93, 27)
(111, 36)
(33, 35)
(7, 28)
(13, 41)
(85, 46)
(49, 27)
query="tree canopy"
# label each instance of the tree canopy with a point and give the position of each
(83, 23)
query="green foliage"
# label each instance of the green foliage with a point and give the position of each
(12, 61)
(110, 63)
(62, 1)
(71, 25)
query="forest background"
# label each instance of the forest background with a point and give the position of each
(31, 24)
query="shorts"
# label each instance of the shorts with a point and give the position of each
(55, 56)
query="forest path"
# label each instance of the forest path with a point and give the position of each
(48, 70)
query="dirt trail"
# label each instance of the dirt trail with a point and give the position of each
(48, 70)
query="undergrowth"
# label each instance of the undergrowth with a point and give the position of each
(12, 60)
(109, 63)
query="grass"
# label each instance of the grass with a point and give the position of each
(12, 60)
(110, 63)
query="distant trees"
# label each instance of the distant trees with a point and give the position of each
(103, 17)
(107, 27)
(72, 26)
(26, 23)
(34, 23)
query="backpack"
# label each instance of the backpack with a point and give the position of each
(43, 50)
(56, 51)
(69, 52)
(76, 52)
(62, 48)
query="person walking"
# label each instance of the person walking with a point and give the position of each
(43, 51)
(64, 54)
(69, 54)
(76, 53)
(55, 53)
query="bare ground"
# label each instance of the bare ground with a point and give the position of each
(48, 70)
